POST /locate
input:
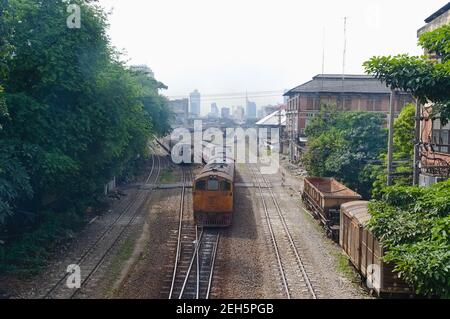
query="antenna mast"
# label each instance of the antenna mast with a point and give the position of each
(323, 55)
(345, 50)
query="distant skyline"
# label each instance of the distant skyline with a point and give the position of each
(259, 46)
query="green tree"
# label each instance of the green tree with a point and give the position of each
(76, 117)
(414, 227)
(5, 52)
(402, 155)
(344, 145)
(427, 79)
(154, 104)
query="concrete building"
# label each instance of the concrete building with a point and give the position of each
(347, 92)
(180, 108)
(260, 113)
(250, 110)
(269, 109)
(238, 113)
(214, 111)
(194, 101)
(142, 68)
(225, 113)
(435, 137)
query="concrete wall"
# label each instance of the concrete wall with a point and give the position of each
(436, 23)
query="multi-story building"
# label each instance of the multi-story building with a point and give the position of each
(142, 68)
(238, 113)
(260, 113)
(347, 92)
(180, 108)
(250, 110)
(214, 111)
(195, 100)
(435, 137)
(269, 109)
(225, 113)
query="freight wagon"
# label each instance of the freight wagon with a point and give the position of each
(365, 251)
(323, 197)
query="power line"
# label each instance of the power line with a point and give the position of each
(235, 94)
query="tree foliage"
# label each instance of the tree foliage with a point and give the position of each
(74, 114)
(344, 145)
(427, 79)
(414, 227)
(402, 155)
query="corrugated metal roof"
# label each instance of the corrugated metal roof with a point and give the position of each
(336, 83)
(273, 119)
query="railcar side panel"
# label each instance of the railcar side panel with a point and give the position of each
(365, 252)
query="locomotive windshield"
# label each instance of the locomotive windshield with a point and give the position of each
(213, 184)
(225, 186)
(200, 185)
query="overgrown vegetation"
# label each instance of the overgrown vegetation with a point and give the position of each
(413, 223)
(403, 153)
(414, 226)
(345, 145)
(72, 117)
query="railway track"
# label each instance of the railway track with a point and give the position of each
(195, 255)
(94, 256)
(295, 279)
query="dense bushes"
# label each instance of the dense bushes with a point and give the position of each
(414, 226)
(73, 116)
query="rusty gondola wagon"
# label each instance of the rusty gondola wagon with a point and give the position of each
(323, 197)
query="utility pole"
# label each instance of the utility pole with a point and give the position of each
(416, 170)
(391, 137)
(280, 140)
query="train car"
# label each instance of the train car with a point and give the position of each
(365, 251)
(323, 197)
(184, 153)
(216, 153)
(213, 194)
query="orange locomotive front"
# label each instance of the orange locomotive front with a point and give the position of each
(214, 195)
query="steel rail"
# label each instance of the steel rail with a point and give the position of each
(291, 240)
(119, 236)
(180, 228)
(272, 235)
(213, 261)
(101, 237)
(193, 258)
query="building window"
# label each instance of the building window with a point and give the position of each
(317, 103)
(441, 137)
(310, 103)
(378, 105)
(347, 103)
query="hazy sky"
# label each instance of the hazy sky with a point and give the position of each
(259, 46)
